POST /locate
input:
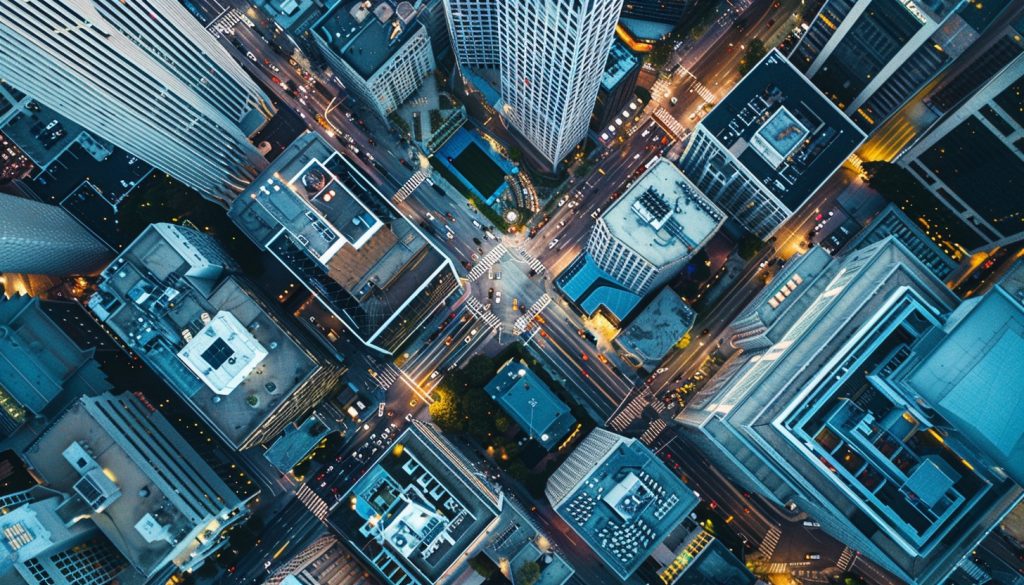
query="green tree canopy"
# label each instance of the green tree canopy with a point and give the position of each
(528, 574)
(749, 246)
(755, 52)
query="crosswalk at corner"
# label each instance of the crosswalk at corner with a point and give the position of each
(477, 309)
(386, 376)
(667, 121)
(653, 430)
(845, 559)
(313, 502)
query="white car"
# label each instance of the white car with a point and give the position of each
(497, 298)
(553, 243)
(450, 235)
(477, 224)
(430, 216)
(275, 68)
(251, 56)
(433, 374)
(636, 156)
(596, 213)
(645, 133)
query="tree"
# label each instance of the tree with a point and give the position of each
(684, 342)
(659, 54)
(755, 52)
(302, 468)
(515, 154)
(483, 566)
(528, 574)
(749, 246)
(644, 94)
(446, 412)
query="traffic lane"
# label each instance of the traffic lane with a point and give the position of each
(573, 375)
(292, 522)
(559, 325)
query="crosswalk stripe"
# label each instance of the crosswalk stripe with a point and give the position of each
(314, 503)
(487, 261)
(414, 181)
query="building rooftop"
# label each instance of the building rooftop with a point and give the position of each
(591, 288)
(39, 362)
(715, 565)
(625, 504)
(620, 62)
(296, 442)
(531, 403)
(657, 328)
(982, 346)
(367, 34)
(135, 501)
(204, 330)
(663, 216)
(783, 130)
(417, 510)
(330, 226)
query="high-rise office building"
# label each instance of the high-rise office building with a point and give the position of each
(617, 84)
(381, 51)
(975, 152)
(768, 146)
(42, 369)
(174, 297)
(473, 26)
(551, 57)
(871, 56)
(119, 467)
(327, 223)
(653, 229)
(551, 60)
(863, 395)
(37, 238)
(146, 77)
(620, 498)
(668, 12)
(422, 510)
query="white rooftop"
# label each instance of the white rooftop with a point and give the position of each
(223, 353)
(663, 216)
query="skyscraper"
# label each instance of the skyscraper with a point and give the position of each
(552, 58)
(473, 25)
(551, 55)
(870, 56)
(37, 238)
(330, 226)
(381, 52)
(974, 153)
(768, 146)
(175, 298)
(650, 232)
(864, 394)
(145, 76)
(119, 466)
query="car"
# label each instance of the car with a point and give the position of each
(477, 224)
(553, 243)
(450, 235)
(448, 340)
(320, 477)
(433, 374)
(323, 485)
(413, 403)
(430, 216)
(812, 557)
(251, 56)
(275, 68)
(468, 339)
(636, 156)
(645, 133)
(674, 100)
(408, 417)
(497, 298)
(490, 293)
(811, 524)
(596, 213)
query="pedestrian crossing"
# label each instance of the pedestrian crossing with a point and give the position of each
(387, 375)
(226, 22)
(659, 406)
(670, 124)
(478, 311)
(487, 261)
(533, 311)
(845, 559)
(414, 181)
(653, 430)
(702, 90)
(771, 540)
(534, 263)
(632, 411)
(313, 502)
